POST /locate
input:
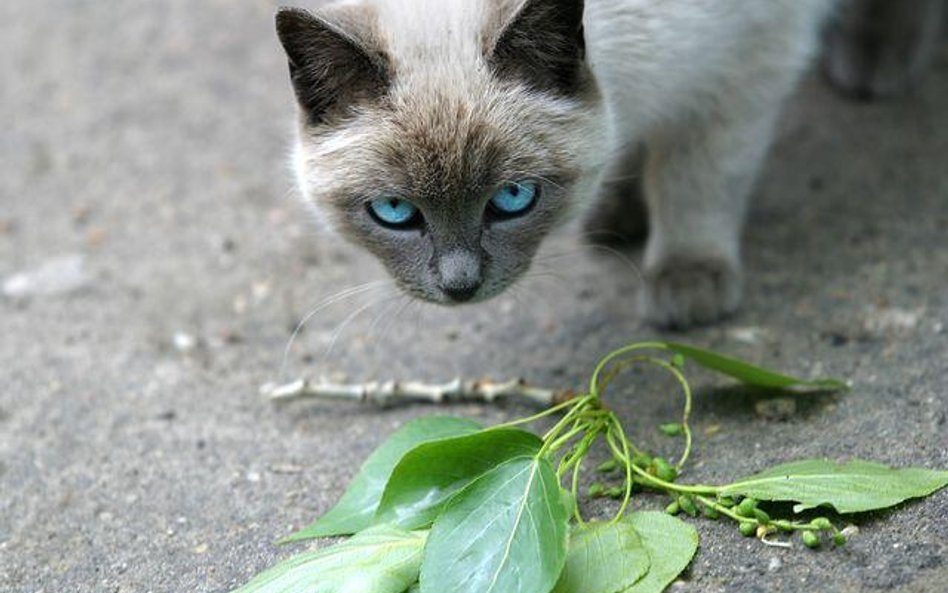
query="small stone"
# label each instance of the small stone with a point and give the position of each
(96, 236)
(240, 304)
(285, 468)
(253, 477)
(746, 335)
(774, 564)
(260, 291)
(82, 214)
(60, 275)
(880, 320)
(184, 342)
(200, 549)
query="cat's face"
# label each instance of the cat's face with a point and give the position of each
(449, 159)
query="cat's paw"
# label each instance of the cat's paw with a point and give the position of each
(681, 292)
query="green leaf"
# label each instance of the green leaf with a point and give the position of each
(379, 560)
(748, 373)
(504, 533)
(671, 544)
(356, 509)
(851, 487)
(428, 475)
(603, 558)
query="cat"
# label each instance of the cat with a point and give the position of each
(449, 137)
(880, 48)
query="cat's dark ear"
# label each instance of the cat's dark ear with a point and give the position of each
(543, 45)
(330, 69)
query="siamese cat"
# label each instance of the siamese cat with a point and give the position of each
(448, 137)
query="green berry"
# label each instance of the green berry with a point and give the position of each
(710, 513)
(641, 461)
(609, 466)
(596, 490)
(839, 539)
(822, 523)
(678, 361)
(668, 474)
(726, 501)
(673, 509)
(615, 492)
(672, 430)
(747, 529)
(687, 504)
(664, 470)
(747, 507)
(811, 539)
(762, 517)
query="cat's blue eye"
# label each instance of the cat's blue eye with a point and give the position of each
(515, 199)
(394, 212)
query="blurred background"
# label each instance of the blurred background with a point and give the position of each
(154, 263)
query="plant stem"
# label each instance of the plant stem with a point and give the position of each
(686, 413)
(729, 512)
(600, 382)
(539, 416)
(581, 405)
(594, 379)
(724, 510)
(650, 480)
(627, 496)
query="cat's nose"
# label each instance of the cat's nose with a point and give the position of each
(460, 275)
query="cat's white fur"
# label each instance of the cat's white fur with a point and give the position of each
(700, 84)
(697, 83)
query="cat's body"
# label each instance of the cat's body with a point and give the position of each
(698, 86)
(425, 122)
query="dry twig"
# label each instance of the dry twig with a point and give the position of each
(391, 392)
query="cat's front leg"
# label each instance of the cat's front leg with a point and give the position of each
(881, 48)
(697, 180)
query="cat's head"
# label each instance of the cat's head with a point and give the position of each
(445, 137)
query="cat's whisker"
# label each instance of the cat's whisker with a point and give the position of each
(380, 316)
(550, 181)
(623, 258)
(321, 306)
(594, 237)
(551, 276)
(420, 310)
(528, 289)
(630, 177)
(400, 305)
(547, 273)
(345, 322)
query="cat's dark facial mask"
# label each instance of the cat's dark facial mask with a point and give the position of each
(451, 173)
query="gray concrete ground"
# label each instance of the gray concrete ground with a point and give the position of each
(145, 141)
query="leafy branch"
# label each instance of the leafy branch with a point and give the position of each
(447, 506)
